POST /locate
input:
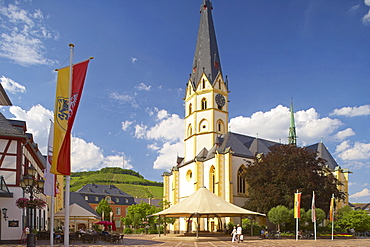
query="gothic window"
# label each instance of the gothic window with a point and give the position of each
(241, 180)
(189, 175)
(190, 130)
(219, 84)
(204, 104)
(190, 108)
(212, 177)
(204, 84)
(220, 126)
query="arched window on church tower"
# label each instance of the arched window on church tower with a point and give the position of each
(220, 126)
(212, 183)
(190, 130)
(190, 108)
(241, 180)
(204, 103)
(204, 84)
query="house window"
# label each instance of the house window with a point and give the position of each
(118, 223)
(109, 199)
(118, 211)
(86, 198)
(241, 180)
(117, 200)
(204, 104)
(126, 200)
(96, 198)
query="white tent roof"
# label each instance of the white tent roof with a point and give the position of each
(76, 211)
(205, 204)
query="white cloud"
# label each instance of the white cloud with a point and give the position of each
(341, 135)
(126, 124)
(167, 155)
(363, 193)
(162, 114)
(274, 125)
(124, 99)
(23, 36)
(143, 87)
(170, 128)
(359, 151)
(11, 86)
(367, 2)
(153, 146)
(87, 156)
(38, 124)
(366, 18)
(363, 110)
(141, 131)
(354, 8)
(133, 59)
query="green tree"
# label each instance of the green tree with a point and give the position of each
(359, 220)
(104, 207)
(278, 215)
(320, 215)
(273, 178)
(137, 215)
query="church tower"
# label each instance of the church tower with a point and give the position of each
(206, 96)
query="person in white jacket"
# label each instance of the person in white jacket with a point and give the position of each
(233, 233)
(239, 232)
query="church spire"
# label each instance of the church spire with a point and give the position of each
(292, 139)
(206, 57)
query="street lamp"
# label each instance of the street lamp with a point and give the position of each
(30, 186)
(5, 210)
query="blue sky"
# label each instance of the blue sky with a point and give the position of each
(316, 52)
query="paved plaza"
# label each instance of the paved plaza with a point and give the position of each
(151, 240)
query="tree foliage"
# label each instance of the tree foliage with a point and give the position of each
(104, 207)
(137, 215)
(278, 215)
(274, 178)
(359, 220)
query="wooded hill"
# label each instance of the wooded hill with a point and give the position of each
(129, 181)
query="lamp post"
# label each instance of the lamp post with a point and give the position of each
(4, 213)
(31, 186)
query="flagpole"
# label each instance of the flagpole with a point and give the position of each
(52, 222)
(332, 217)
(297, 220)
(68, 178)
(313, 210)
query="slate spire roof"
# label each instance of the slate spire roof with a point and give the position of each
(206, 57)
(292, 133)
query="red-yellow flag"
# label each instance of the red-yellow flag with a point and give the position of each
(297, 205)
(61, 109)
(62, 159)
(331, 211)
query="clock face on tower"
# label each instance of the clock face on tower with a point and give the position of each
(220, 100)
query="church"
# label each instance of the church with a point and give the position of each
(214, 157)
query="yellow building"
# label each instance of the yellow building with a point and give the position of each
(214, 157)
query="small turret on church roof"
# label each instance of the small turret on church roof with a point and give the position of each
(206, 57)
(292, 139)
